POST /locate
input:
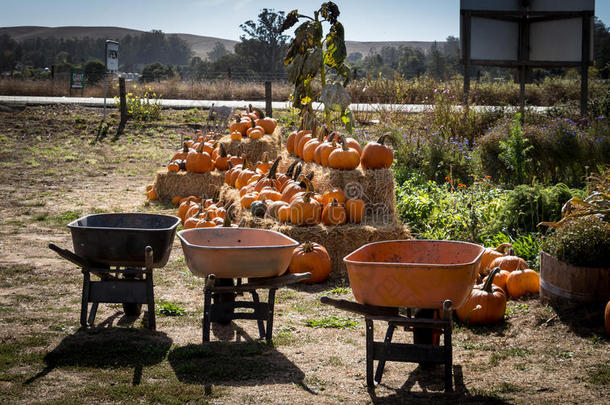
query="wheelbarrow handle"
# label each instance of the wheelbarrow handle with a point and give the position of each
(359, 308)
(68, 255)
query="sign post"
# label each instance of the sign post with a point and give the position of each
(112, 64)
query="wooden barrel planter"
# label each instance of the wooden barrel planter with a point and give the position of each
(564, 282)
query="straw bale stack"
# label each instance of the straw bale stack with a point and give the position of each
(171, 184)
(339, 241)
(255, 148)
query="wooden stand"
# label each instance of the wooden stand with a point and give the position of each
(222, 309)
(418, 352)
(133, 289)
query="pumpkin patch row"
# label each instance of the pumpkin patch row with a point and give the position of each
(337, 151)
(202, 212)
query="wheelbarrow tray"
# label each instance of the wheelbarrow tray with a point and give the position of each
(236, 252)
(120, 239)
(413, 273)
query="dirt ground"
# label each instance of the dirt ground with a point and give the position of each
(52, 173)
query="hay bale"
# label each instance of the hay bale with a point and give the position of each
(339, 241)
(255, 148)
(375, 187)
(171, 184)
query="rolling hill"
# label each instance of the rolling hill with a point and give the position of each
(200, 45)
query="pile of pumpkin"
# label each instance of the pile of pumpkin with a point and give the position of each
(290, 197)
(504, 276)
(201, 156)
(252, 124)
(201, 212)
(338, 151)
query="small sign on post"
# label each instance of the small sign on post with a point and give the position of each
(112, 64)
(77, 79)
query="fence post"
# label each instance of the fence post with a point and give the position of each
(268, 99)
(123, 108)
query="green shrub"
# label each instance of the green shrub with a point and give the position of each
(448, 210)
(581, 242)
(526, 206)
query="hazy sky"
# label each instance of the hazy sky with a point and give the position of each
(364, 20)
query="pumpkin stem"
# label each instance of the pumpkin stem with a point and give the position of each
(260, 112)
(273, 169)
(487, 287)
(308, 247)
(297, 171)
(185, 147)
(334, 202)
(223, 151)
(343, 142)
(200, 147)
(502, 248)
(290, 169)
(386, 137)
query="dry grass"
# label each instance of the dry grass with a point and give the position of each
(52, 173)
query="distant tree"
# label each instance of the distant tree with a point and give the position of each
(10, 53)
(451, 51)
(436, 63)
(601, 48)
(217, 52)
(263, 45)
(94, 70)
(154, 71)
(354, 57)
(412, 62)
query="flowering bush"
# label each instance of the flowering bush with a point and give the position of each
(145, 108)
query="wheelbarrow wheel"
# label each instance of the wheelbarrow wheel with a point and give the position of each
(132, 309)
(226, 316)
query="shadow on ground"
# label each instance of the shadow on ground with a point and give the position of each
(108, 347)
(431, 385)
(227, 362)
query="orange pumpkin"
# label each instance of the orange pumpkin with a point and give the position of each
(305, 210)
(376, 155)
(490, 254)
(313, 258)
(290, 142)
(500, 280)
(334, 213)
(199, 161)
(151, 194)
(176, 200)
(273, 208)
(181, 154)
(522, 282)
(236, 136)
(267, 123)
(344, 158)
(283, 213)
(486, 303)
(334, 194)
(301, 144)
(309, 148)
(325, 149)
(222, 161)
(173, 166)
(355, 210)
(509, 262)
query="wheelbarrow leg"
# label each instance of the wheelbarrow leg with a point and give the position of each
(448, 330)
(207, 303)
(85, 298)
(259, 321)
(386, 345)
(148, 261)
(370, 353)
(92, 313)
(270, 306)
